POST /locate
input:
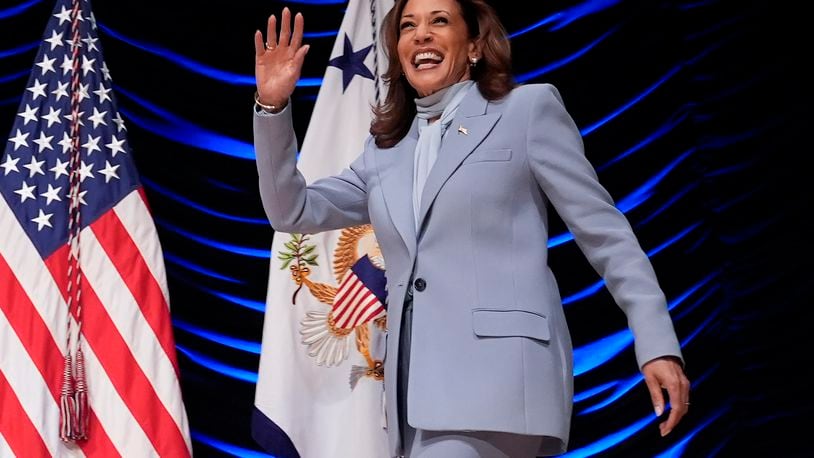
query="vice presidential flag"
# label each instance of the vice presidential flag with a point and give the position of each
(87, 354)
(320, 391)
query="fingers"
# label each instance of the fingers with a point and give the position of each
(299, 57)
(286, 38)
(259, 48)
(285, 27)
(296, 39)
(678, 388)
(667, 374)
(677, 411)
(656, 396)
(271, 31)
(672, 421)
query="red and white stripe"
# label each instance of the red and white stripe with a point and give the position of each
(135, 397)
(355, 304)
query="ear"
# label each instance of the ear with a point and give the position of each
(474, 49)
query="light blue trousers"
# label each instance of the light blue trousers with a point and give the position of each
(477, 444)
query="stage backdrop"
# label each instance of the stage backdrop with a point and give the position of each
(693, 112)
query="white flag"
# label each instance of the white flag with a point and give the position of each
(320, 392)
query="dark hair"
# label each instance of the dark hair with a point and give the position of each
(492, 72)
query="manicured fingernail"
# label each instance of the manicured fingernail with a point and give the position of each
(665, 432)
(659, 410)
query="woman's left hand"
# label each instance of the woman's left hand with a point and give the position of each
(279, 60)
(666, 373)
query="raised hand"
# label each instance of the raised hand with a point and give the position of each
(278, 60)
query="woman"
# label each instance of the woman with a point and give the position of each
(456, 179)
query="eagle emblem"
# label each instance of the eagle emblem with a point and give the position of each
(354, 307)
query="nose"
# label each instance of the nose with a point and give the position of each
(422, 33)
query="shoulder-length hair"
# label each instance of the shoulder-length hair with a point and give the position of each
(393, 118)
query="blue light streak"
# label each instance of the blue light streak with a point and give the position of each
(546, 20)
(591, 392)
(13, 76)
(15, 10)
(654, 251)
(627, 384)
(621, 387)
(19, 49)
(185, 132)
(587, 130)
(663, 130)
(643, 192)
(668, 203)
(227, 447)
(610, 440)
(189, 203)
(197, 67)
(677, 450)
(252, 304)
(624, 386)
(223, 185)
(324, 34)
(10, 101)
(563, 18)
(219, 367)
(598, 285)
(222, 339)
(594, 354)
(633, 199)
(236, 249)
(523, 77)
(237, 300)
(199, 269)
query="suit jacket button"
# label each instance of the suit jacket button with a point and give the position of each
(419, 284)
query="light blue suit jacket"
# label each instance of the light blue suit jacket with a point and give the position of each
(490, 346)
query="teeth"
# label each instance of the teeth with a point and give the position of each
(426, 56)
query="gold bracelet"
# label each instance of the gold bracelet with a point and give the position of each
(266, 108)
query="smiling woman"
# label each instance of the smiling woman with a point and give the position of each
(694, 113)
(435, 46)
(469, 29)
(461, 216)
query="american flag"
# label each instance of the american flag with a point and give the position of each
(81, 268)
(360, 297)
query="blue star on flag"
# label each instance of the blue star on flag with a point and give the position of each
(352, 63)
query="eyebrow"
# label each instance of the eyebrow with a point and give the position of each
(431, 12)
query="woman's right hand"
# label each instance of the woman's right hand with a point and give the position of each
(278, 61)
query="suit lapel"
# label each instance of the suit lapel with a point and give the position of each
(468, 129)
(395, 166)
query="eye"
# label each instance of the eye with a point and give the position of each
(440, 20)
(406, 25)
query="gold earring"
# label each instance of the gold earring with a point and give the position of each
(473, 61)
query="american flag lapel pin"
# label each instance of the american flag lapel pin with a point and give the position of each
(463, 130)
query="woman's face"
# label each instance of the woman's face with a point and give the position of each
(434, 45)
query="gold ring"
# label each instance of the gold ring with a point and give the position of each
(269, 47)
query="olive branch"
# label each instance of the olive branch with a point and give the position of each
(297, 257)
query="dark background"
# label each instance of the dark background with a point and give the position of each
(714, 94)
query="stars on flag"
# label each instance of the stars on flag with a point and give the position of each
(43, 220)
(35, 166)
(352, 63)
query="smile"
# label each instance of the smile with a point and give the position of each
(427, 59)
